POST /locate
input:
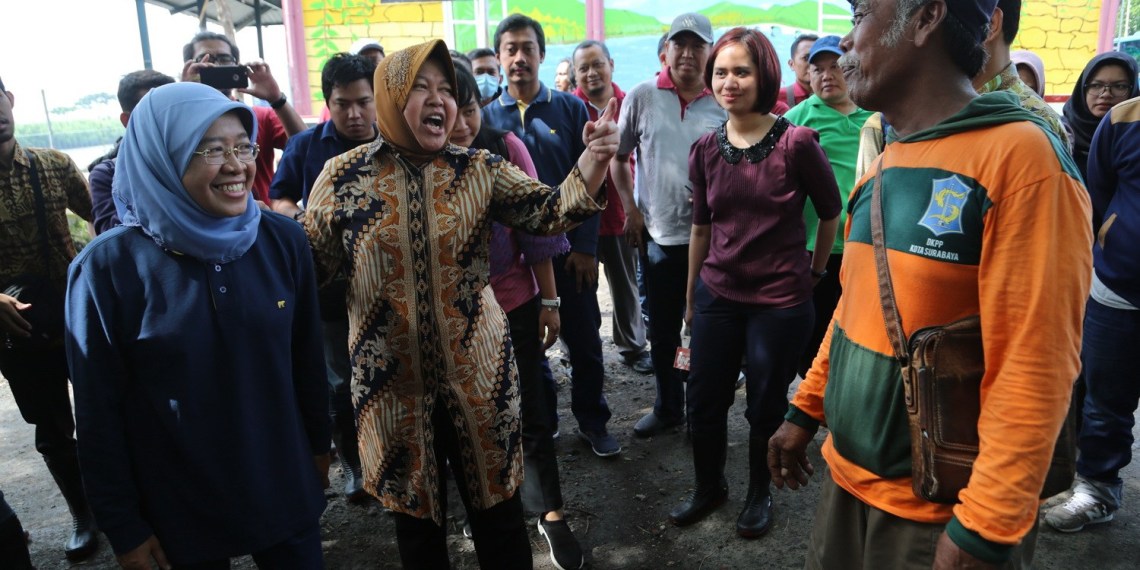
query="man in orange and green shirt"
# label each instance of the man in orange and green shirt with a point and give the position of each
(983, 213)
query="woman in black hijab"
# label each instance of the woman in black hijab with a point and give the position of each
(1108, 79)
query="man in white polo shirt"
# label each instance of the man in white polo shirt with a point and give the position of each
(660, 119)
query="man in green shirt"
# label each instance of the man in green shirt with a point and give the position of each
(831, 113)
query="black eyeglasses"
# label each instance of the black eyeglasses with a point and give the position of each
(245, 152)
(218, 58)
(1116, 89)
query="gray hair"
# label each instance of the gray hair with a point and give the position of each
(904, 10)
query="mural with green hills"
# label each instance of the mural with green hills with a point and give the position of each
(564, 21)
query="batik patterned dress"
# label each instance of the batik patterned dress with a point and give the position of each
(425, 329)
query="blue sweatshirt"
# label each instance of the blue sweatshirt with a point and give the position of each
(1114, 186)
(200, 392)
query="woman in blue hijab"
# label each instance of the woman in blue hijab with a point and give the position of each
(195, 351)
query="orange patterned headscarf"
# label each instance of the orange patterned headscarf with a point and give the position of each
(393, 83)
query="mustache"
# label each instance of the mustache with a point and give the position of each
(849, 61)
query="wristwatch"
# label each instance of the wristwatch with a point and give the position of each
(280, 102)
(552, 304)
(819, 274)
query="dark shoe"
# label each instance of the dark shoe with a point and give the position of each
(603, 444)
(641, 363)
(740, 380)
(699, 503)
(467, 533)
(652, 424)
(84, 540)
(756, 517)
(565, 552)
(14, 545)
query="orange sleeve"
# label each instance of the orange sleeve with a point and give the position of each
(1034, 279)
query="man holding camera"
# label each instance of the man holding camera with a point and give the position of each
(275, 124)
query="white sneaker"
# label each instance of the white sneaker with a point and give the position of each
(1080, 510)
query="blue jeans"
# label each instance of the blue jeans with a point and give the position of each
(771, 340)
(666, 270)
(581, 321)
(1111, 368)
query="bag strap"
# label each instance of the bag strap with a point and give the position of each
(886, 288)
(41, 212)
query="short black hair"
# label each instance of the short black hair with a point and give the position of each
(480, 52)
(188, 49)
(345, 68)
(801, 39)
(587, 45)
(135, 84)
(1010, 19)
(2, 86)
(520, 22)
(466, 89)
(966, 51)
(661, 43)
(459, 60)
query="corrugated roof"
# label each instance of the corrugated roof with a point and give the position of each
(242, 11)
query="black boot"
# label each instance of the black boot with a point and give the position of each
(711, 490)
(756, 517)
(14, 545)
(84, 539)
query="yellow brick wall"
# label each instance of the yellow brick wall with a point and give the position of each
(1064, 33)
(332, 26)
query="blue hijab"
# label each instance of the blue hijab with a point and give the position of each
(162, 135)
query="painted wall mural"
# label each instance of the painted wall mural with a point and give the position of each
(1065, 33)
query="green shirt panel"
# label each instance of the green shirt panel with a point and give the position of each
(839, 138)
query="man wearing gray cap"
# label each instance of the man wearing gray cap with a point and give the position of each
(973, 211)
(660, 119)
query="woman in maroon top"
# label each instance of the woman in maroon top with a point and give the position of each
(750, 276)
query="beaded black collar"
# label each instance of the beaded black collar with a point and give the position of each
(756, 152)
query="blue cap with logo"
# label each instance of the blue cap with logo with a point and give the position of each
(826, 44)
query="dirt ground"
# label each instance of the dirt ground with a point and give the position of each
(616, 506)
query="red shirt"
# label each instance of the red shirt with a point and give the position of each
(270, 135)
(800, 92)
(613, 217)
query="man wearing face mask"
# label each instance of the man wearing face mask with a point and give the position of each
(485, 67)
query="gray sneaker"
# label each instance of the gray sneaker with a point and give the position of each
(1080, 510)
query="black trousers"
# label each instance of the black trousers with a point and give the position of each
(825, 297)
(501, 541)
(38, 379)
(541, 489)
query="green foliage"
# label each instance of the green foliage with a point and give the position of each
(80, 233)
(71, 134)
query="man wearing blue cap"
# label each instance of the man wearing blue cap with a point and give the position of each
(966, 229)
(837, 119)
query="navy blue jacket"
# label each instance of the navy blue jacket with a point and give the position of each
(200, 392)
(1114, 186)
(552, 133)
(303, 159)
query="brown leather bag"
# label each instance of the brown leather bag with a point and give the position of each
(942, 369)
